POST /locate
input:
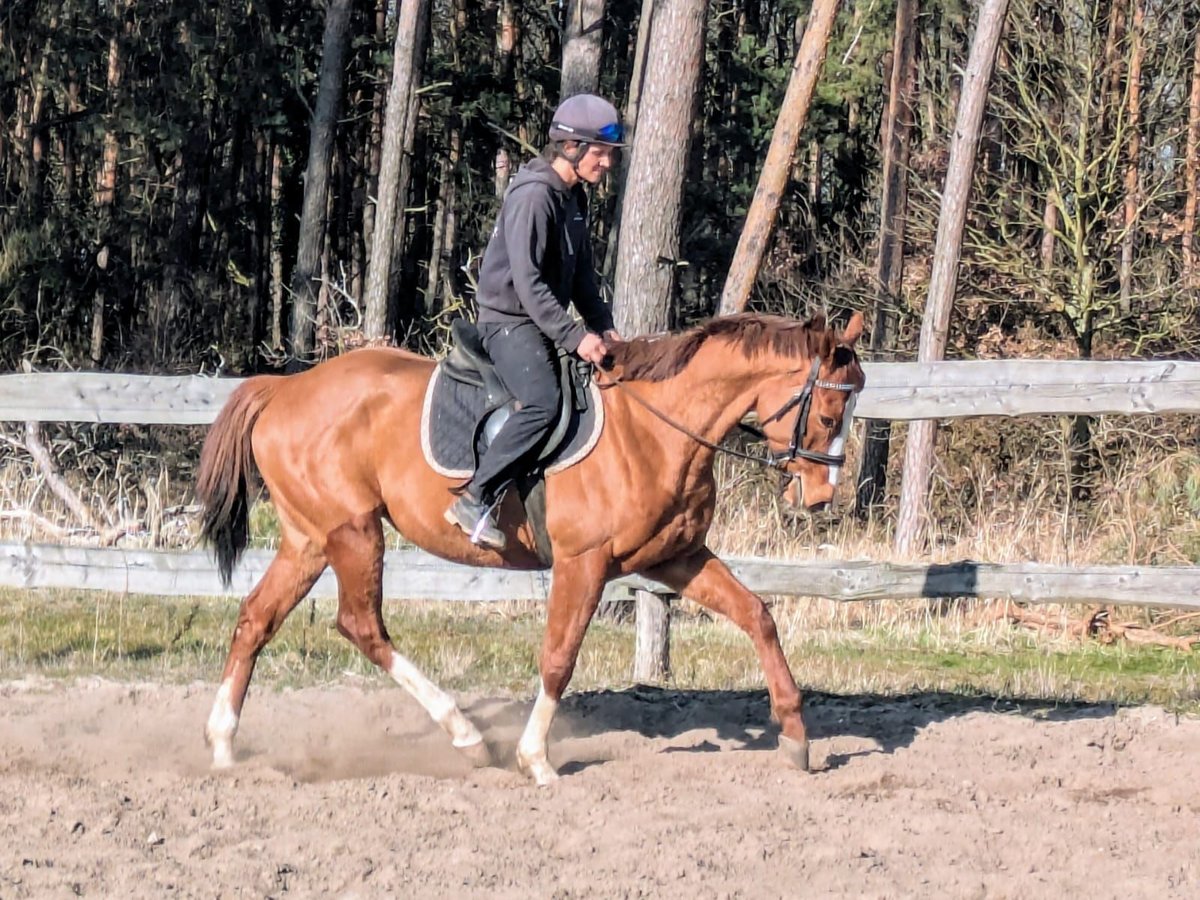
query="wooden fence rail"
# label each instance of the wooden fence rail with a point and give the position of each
(414, 575)
(894, 391)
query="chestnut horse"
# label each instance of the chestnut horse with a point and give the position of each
(338, 448)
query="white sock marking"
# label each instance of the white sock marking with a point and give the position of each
(531, 751)
(440, 706)
(222, 726)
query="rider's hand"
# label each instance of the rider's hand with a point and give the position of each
(592, 349)
(612, 336)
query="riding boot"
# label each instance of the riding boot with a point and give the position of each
(474, 516)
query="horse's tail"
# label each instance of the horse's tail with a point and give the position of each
(225, 466)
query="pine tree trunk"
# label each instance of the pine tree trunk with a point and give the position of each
(649, 242)
(502, 172)
(889, 264)
(1114, 65)
(404, 190)
(105, 198)
(325, 337)
(276, 247)
(313, 215)
(70, 159)
(1049, 229)
(412, 183)
(1192, 176)
(450, 281)
(632, 106)
(918, 458)
(582, 46)
(760, 220)
(257, 195)
(374, 146)
(433, 274)
(507, 37)
(354, 207)
(1132, 179)
(814, 182)
(399, 125)
(4, 132)
(168, 301)
(35, 181)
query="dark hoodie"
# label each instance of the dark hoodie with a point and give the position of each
(539, 259)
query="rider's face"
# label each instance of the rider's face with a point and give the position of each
(596, 161)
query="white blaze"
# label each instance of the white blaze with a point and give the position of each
(839, 443)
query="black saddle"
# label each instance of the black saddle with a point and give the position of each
(468, 363)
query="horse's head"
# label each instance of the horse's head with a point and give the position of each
(805, 413)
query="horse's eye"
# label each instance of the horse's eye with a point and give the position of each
(827, 422)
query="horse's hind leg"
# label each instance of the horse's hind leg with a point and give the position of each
(355, 551)
(289, 577)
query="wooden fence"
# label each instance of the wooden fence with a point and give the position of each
(898, 391)
(414, 575)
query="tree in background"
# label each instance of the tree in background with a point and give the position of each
(313, 216)
(1133, 93)
(778, 165)
(648, 254)
(106, 181)
(1061, 204)
(889, 260)
(582, 47)
(918, 459)
(211, 122)
(399, 129)
(1192, 166)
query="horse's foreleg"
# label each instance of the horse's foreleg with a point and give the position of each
(289, 577)
(706, 580)
(574, 595)
(355, 551)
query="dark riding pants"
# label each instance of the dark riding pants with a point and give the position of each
(526, 362)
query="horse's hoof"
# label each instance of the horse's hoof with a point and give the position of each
(478, 754)
(539, 769)
(795, 752)
(222, 750)
(222, 759)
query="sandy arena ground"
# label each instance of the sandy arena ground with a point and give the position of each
(340, 791)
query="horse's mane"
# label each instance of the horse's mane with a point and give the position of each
(659, 357)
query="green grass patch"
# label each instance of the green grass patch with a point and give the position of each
(492, 648)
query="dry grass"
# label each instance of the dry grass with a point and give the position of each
(1001, 494)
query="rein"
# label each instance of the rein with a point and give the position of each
(778, 461)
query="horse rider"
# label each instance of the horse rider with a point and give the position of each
(538, 261)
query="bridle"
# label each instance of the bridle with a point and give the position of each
(780, 460)
(803, 399)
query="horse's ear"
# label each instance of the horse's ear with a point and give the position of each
(852, 332)
(816, 323)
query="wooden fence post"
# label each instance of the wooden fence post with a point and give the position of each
(652, 649)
